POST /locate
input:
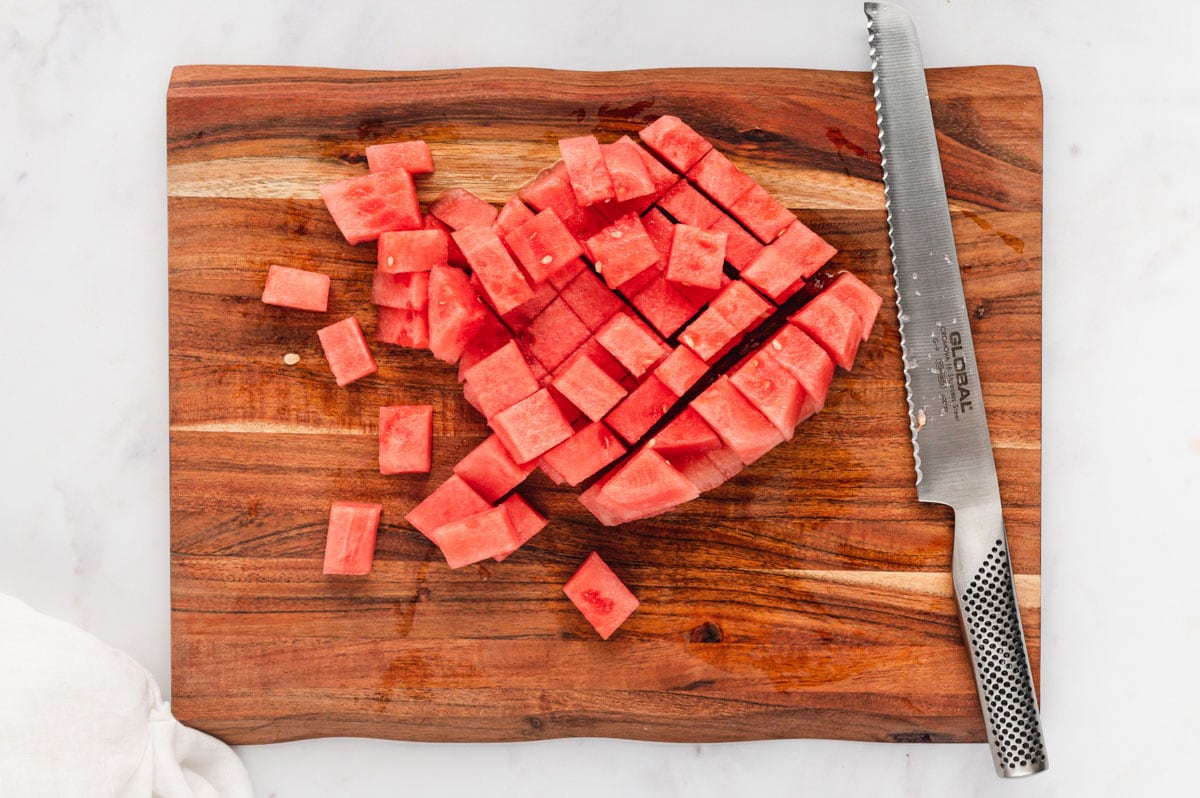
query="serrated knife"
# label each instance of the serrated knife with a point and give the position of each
(951, 445)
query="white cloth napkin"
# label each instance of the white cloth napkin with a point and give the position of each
(79, 718)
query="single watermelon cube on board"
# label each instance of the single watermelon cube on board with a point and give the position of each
(490, 469)
(584, 453)
(501, 379)
(686, 205)
(406, 291)
(402, 327)
(412, 250)
(681, 369)
(502, 281)
(634, 345)
(644, 406)
(347, 351)
(365, 206)
(459, 209)
(710, 335)
(739, 424)
(405, 439)
(740, 247)
(554, 334)
(543, 245)
(591, 300)
(455, 313)
(834, 325)
(413, 157)
(719, 178)
(675, 142)
(453, 500)
(741, 306)
(643, 486)
(585, 166)
(525, 520)
(627, 168)
(531, 427)
(664, 306)
(771, 389)
(622, 251)
(687, 433)
(477, 537)
(585, 385)
(857, 295)
(600, 596)
(454, 255)
(296, 288)
(697, 257)
(350, 543)
(805, 360)
(512, 215)
(761, 214)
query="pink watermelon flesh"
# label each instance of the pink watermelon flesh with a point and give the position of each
(832, 324)
(531, 427)
(685, 434)
(543, 245)
(514, 214)
(589, 388)
(686, 205)
(408, 291)
(675, 142)
(350, 542)
(697, 257)
(661, 230)
(592, 349)
(502, 281)
(636, 284)
(347, 351)
(634, 346)
(365, 206)
(585, 166)
(455, 313)
(402, 327)
(664, 306)
(627, 168)
(563, 277)
(413, 157)
(641, 409)
(600, 596)
(741, 306)
(296, 288)
(551, 188)
(736, 421)
(680, 370)
(858, 296)
(805, 360)
(459, 209)
(584, 453)
(490, 469)
(591, 300)
(501, 379)
(477, 537)
(491, 335)
(412, 250)
(726, 461)
(700, 470)
(710, 335)
(454, 255)
(771, 389)
(740, 247)
(554, 334)
(453, 500)
(781, 268)
(405, 439)
(521, 317)
(622, 251)
(525, 520)
(761, 214)
(645, 485)
(719, 178)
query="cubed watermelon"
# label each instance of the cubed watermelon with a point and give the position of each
(585, 166)
(412, 250)
(627, 168)
(486, 534)
(741, 306)
(700, 470)
(645, 485)
(514, 214)
(834, 325)
(502, 281)
(554, 334)
(600, 596)
(350, 542)
(591, 300)
(531, 427)
(634, 345)
(664, 306)
(490, 469)
(365, 206)
(761, 214)
(584, 453)
(551, 188)
(719, 178)
(405, 439)
(675, 142)
(501, 379)
(858, 296)
(740, 246)
(451, 501)
(740, 425)
(687, 433)
(680, 370)
(591, 348)
(454, 255)
(520, 317)
(727, 461)
(490, 336)
(402, 327)
(771, 389)
(347, 351)
(296, 288)
(455, 313)
(710, 335)
(686, 205)
(589, 388)
(781, 268)
(459, 209)
(697, 257)
(622, 251)
(661, 230)
(805, 360)
(564, 276)
(525, 520)
(406, 291)
(543, 245)
(639, 411)
(635, 285)
(413, 157)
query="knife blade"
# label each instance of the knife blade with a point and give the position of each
(951, 445)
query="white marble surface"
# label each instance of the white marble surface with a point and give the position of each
(83, 356)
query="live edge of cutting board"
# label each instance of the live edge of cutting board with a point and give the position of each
(808, 597)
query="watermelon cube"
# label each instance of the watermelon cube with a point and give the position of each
(741, 305)
(543, 245)
(412, 250)
(490, 470)
(634, 345)
(455, 313)
(413, 157)
(591, 300)
(491, 335)
(405, 439)
(502, 281)
(551, 188)
(771, 389)
(405, 291)
(645, 485)
(350, 542)
(522, 316)
(402, 327)
(739, 424)
(858, 296)
(554, 334)
(740, 246)
(680, 370)
(531, 427)
(719, 178)
(627, 167)
(525, 520)
(501, 379)
(585, 166)
(365, 206)
(727, 461)
(700, 470)
(636, 284)
(453, 500)
(697, 257)
(664, 306)
(296, 288)
(661, 230)
(514, 214)
(591, 348)
(600, 596)
(675, 142)
(834, 325)
(805, 360)
(584, 453)
(622, 251)
(563, 277)
(761, 214)
(648, 402)
(685, 434)
(459, 209)
(710, 335)
(347, 351)
(454, 255)
(477, 537)
(780, 269)
(686, 205)
(587, 386)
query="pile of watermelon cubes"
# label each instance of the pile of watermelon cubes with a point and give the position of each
(586, 317)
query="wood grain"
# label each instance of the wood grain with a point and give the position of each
(809, 597)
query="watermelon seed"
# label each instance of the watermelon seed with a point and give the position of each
(776, 345)
(391, 261)
(291, 358)
(546, 261)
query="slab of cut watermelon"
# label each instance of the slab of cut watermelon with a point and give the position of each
(585, 166)
(589, 387)
(405, 439)
(453, 500)
(296, 288)
(627, 167)
(857, 295)
(412, 250)
(491, 471)
(697, 257)
(531, 427)
(459, 209)
(680, 370)
(622, 251)
(554, 334)
(503, 283)
(414, 157)
(639, 411)
(834, 325)
(634, 345)
(600, 596)
(402, 327)
(719, 178)
(350, 542)
(365, 206)
(584, 453)
(501, 379)
(407, 291)
(675, 142)
(525, 520)
(805, 360)
(771, 389)
(455, 313)
(543, 245)
(477, 537)
(739, 424)
(591, 300)
(347, 351)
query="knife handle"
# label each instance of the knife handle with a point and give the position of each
(991, 619)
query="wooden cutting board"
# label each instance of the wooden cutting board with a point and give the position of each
(809, 597)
